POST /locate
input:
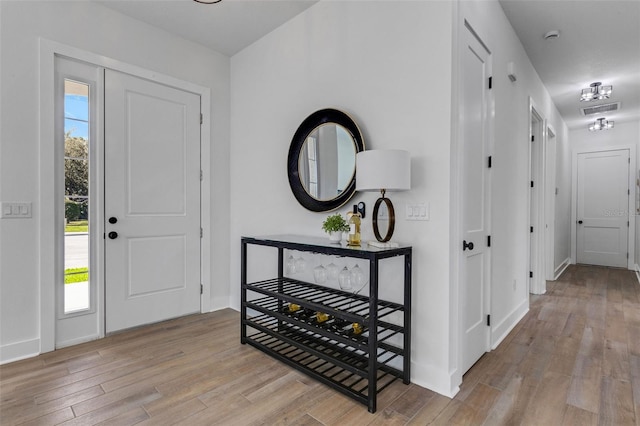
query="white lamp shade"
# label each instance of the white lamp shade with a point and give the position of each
(388, 169)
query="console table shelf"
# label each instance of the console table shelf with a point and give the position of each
(356, 361)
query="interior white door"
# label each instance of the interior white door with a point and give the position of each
(474, 92)
(152, 201)
(603, 208)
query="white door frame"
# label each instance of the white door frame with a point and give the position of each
(51, 227)
(631, 199)
(549, 152)
(536, 259)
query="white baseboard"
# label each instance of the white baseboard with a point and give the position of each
(637, 269)
(561, 268)
(77, 341)
(20, 350)
(505, 326)
(435, 380)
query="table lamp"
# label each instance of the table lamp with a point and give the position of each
(383, 170)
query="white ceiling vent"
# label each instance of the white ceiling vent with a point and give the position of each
(599, 109)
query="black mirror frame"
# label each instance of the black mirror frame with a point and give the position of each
(316, 119)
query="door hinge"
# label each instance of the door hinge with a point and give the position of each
(628, 192)
(488, 240)
(201, 118)
(200, 232)
(201, 175)
(627, 224)
(489, 162)
(532, 184)
(488, 320)
(530, 274)
(531, 229)
(532, 138)
(627, 255)
(201, 289)
(490, 82)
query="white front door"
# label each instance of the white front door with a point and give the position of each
(474, 92)
(603, 208)
(152, 201)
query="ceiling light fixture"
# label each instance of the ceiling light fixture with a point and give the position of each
(601, 124)
(596, 91)
(207, 1)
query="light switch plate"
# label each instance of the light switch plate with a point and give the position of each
(417, 211)
(15, 210)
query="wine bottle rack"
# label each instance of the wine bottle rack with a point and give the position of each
(358, 344)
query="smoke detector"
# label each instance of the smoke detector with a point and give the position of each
(552, 35)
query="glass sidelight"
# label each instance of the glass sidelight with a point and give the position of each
(76, 196)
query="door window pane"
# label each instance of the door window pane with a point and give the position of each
(76, 196)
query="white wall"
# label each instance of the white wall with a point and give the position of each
(388, 65)
(510, 179)
(93, 28)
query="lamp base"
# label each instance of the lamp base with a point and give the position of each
(392, 218)
(380, 244)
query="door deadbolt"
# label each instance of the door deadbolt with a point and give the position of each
(113, 220)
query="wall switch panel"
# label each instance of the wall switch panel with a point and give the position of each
(15, 210)
(417, 211)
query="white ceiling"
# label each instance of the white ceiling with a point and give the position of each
(599, 40)
(226, 27)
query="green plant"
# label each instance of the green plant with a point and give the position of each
(335, 223)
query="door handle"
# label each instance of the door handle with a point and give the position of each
(113, 220)
(579, 222)
(113, 235)
(466, 245)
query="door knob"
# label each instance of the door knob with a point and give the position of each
(113, 235)
(466, 245)
(580, 222)
(113, 220)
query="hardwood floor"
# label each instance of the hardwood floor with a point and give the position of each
(573, 360)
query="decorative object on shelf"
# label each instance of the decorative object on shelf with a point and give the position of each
(595, 92)
(354, 227)
(601, 124)
(383, 170)
(320, 274)
(344, 279)
(301, 265)
(335, 225)
(291, 265)
(321, 164)
(332, 271)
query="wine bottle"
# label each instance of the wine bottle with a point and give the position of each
(354, 227)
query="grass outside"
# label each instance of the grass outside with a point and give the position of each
(77, 226)
(76, 275)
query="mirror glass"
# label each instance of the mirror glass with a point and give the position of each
(327, 161)
(322, 160)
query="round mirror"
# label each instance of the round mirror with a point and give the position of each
(322, 160)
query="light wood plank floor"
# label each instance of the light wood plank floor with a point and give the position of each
(573, 360)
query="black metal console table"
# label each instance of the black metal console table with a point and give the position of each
(359, 345)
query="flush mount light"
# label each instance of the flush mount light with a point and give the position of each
(596, 91)
(207, 1)
(601, 124)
